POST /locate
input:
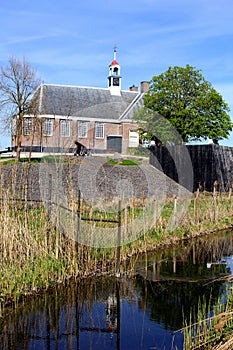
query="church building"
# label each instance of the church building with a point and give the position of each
(98, 118)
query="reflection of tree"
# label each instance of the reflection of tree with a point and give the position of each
(171, 303)
(174, 284)
(59, 315)
(202, 258)
(64, 314)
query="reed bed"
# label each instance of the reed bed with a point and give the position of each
(35, 254)
(213, 330)
(207, 213)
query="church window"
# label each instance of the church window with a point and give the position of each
(27, 126)
(65, 128)
(48, 127)
(82, 129)
(99, 130)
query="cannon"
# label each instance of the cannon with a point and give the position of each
(81, 150)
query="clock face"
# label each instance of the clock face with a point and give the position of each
(115, 81)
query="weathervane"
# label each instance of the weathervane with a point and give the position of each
(115, 49)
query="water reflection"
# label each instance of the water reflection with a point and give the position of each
(200, 259)
(141, 312)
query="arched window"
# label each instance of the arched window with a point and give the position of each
(115, 71)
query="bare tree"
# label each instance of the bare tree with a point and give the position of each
(18, 84)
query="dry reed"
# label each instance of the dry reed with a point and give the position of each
(34, 254)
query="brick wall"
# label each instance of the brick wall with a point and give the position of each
(56, 142)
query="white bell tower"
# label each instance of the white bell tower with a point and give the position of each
(114, 77)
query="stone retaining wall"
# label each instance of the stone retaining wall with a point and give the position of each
(92, 175)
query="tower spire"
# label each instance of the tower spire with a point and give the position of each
(114, 77)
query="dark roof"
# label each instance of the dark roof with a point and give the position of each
(86, 102)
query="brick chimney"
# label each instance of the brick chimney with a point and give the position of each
(133, 88)
(145, 85)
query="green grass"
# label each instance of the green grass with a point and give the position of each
(48, 159)
(122, 162)
(22, 160)
(64, 159)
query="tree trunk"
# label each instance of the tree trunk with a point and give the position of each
(18, 138)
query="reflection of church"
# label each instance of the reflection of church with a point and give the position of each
(111, 313)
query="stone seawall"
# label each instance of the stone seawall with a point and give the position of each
(92, 175)
(212, 165)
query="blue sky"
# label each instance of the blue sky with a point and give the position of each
(71, 42)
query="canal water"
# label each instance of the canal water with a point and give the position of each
(145, 308)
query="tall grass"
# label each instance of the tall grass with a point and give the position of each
(34, 254)
(213, 329)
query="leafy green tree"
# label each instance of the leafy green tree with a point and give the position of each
(193, 107)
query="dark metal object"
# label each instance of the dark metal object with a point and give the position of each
(81, 150)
